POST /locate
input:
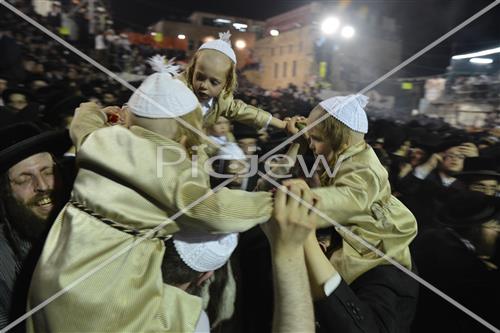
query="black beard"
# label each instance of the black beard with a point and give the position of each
(29, 226)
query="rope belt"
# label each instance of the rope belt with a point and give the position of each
(119, 226)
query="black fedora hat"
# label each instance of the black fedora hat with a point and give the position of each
(467, 209)
(479, 167)
(21, 140)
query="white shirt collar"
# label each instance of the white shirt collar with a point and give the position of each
(206, 106)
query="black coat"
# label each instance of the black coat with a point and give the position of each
(446, 262)
(381, 300)
(425, 197)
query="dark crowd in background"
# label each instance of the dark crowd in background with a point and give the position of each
(448, 177)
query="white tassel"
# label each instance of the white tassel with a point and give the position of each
(159, 65)
(225, 36)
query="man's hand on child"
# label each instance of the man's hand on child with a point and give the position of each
(292, 219)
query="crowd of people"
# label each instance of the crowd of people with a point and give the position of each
(169, 209)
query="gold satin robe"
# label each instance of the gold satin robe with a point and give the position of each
(359, 198)
(128, 176)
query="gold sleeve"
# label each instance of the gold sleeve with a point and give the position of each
(235, 109)
(223, 210)
(352, 194)
(87, 118)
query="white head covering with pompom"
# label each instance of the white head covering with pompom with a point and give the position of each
(161, 95)
(223, 44)
(349, 110)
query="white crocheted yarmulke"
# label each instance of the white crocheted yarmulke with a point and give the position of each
(349, 110)
(223, 44)
(161, 95)
(204, 252)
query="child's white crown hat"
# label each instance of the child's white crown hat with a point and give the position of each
(204, 252)
(161, 95)
(223, 44)
(349, 110)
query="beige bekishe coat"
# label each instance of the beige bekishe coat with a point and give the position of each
(359, 199)
(113, 278)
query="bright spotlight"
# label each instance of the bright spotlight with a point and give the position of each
(208, 39)
(274, 32)
(240, 44)
(181, 36)
(330, 25)
(481, 61)
(348, 32)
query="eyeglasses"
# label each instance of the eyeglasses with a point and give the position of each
(28, 181)
(457, 156)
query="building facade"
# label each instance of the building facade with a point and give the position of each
(303, 53)
(202, 27)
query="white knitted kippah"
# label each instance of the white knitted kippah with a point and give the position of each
(161, 95)
(349, 110)
(223, 44)
(204, 252)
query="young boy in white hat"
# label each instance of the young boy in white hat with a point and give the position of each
(355, 191)
(211, 75)
(133, 182)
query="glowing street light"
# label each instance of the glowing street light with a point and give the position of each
(481, 61)
(274, 32)
(330, 25)
(348, 32)
(181, 36)
(240, 44)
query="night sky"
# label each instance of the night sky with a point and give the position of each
(421, 22)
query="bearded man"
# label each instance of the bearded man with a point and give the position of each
(32, 190)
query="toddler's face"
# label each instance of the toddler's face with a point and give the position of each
(221, 127)
(210, 74)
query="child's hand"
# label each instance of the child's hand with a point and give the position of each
(291, 124)
(116, 115)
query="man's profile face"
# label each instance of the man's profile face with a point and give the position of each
(32, 184)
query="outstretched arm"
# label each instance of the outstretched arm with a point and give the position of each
(291, 223)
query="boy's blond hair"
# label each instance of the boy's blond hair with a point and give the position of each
(338, 136)
(231, 77)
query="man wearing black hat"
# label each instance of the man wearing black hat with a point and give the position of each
(424, 189)
(479, 175)
(31, 193)
(18, 107)
(461, 258)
